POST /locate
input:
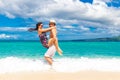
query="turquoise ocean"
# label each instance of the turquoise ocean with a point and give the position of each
(77, 56)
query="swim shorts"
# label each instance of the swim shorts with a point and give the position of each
(50, 52)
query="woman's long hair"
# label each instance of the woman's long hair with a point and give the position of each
(35, 29)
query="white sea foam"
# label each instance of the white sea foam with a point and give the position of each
(14, 64)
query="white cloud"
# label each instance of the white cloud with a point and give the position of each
(84, 28)
(61, 10)
(5, 36)
(65, 12)
(116, 1)
(13, 28)
(9, 15)
(98, 1)
(68, 27)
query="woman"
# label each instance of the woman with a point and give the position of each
(42, 34)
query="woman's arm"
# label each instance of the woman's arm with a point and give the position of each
(46, 30)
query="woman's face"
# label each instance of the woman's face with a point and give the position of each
(50, 25)
(41, 25)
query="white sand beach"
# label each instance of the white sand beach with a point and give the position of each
(82, 75)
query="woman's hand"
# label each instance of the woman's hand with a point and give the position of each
(52, 27)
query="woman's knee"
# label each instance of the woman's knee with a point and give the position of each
(55, 39)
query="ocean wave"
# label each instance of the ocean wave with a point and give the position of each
(14, 64)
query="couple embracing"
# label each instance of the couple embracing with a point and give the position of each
(52, 43)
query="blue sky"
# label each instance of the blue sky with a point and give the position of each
(76, 19)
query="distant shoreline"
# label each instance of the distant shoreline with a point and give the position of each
(61, 41)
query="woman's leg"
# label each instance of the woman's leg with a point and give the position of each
(57, 46)
(55, 42)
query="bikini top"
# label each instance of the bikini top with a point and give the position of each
(44, 39)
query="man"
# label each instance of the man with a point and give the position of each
(52, 48)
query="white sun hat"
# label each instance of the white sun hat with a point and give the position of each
(52, 21)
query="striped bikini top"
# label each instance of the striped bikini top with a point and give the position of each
(44, 39)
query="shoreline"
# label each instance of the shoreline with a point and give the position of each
(84, 40)
(52, 75)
